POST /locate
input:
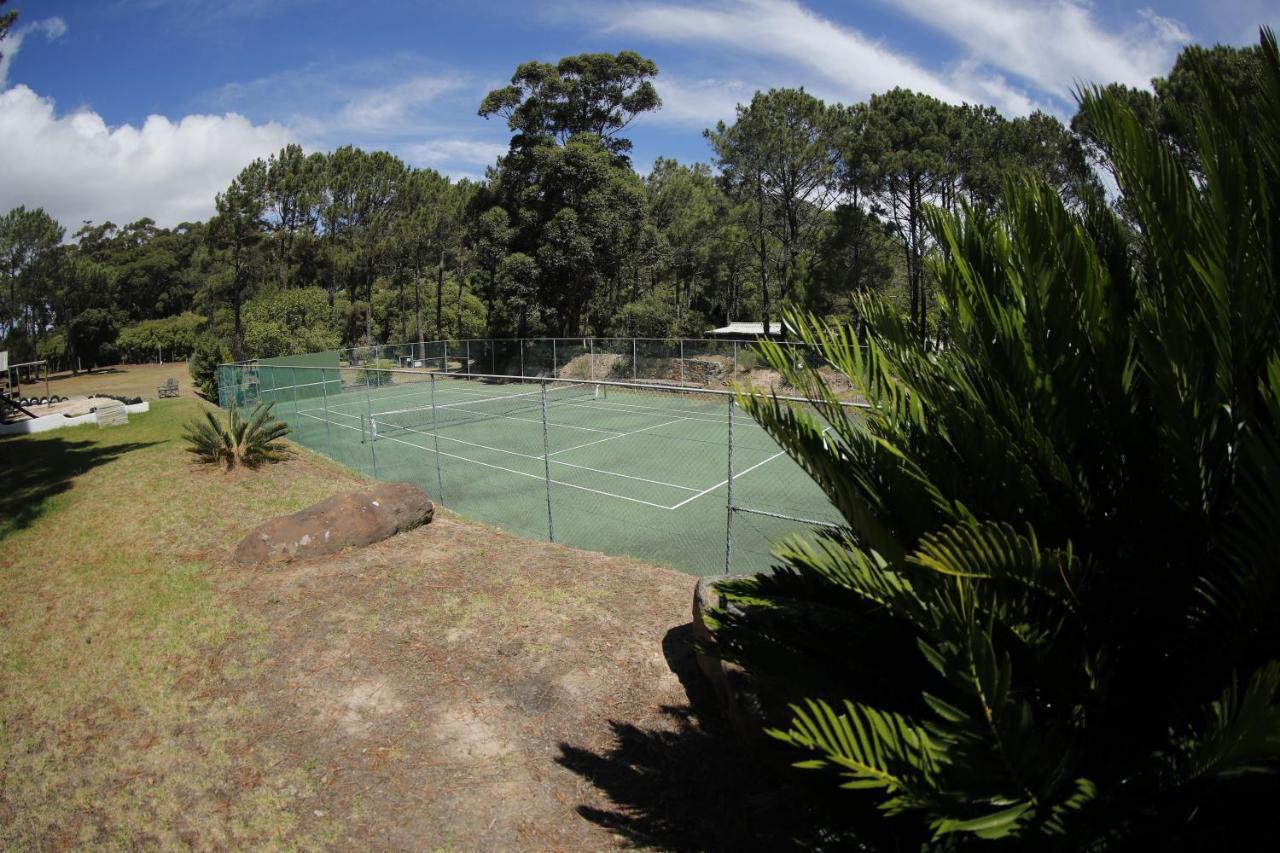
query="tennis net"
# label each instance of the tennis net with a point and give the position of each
(423, 419)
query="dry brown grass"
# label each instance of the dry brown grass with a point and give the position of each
(450, 688)
(124, 380)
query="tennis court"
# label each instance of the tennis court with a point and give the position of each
(641, 471)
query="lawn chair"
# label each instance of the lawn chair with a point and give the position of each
(169, 388)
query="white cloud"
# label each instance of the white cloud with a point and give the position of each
(855, 65)
(427, 118)
(700, 103)
(77, 168)
(52, 29)
(441, 154)
(1055, 44)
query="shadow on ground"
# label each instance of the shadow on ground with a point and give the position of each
(690, 785)
(31, 472)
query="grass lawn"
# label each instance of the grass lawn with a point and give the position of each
(124, 380)
(452, 687)
(107, 619)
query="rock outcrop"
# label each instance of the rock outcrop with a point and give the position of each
(349, 520)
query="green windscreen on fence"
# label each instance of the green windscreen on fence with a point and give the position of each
(275, 375)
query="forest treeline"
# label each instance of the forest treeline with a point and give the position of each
(802, 203)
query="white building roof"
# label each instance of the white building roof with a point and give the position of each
(746, 330)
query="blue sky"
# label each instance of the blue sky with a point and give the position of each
(114, 109)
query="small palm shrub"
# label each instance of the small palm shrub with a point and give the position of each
(1052, 616)
(249, 442)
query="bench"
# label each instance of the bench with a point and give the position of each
(168, 389)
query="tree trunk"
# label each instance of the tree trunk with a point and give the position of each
(440, 299)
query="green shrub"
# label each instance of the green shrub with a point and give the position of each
(174, 337)
(208, 354)
(1053, 614)
(250, 443)
(290, 322)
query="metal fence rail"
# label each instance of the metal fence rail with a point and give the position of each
(663, 473)
(685, 362)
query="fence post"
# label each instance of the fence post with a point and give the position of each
(324, 391)
(293, 373)
(555, 371)
(446, 355)
(728, 519)
(468, 356)
(546, 463)
(682, 362)
(591, 356)
(435, 439)
(735, 361)
(634, 374)
(493, 358)
(373, 431)
(521, 343)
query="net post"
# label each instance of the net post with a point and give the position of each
(728, 513)
(435, 440)
(546, 463)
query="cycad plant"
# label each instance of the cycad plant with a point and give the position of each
(1052, 616)
(249, 442)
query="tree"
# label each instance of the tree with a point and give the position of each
(1051, 615)
(897, 151)
(781, 153)
(595, 93)
(6, 21)
(237, 231)
(492, 238)
(28, 240)
(293, 186)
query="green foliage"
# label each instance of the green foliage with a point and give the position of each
(595, 93)
(251, 443)
(290, 322)
(209, 352)
(92, 333)
(53, 349)
(175, 337)
(1052, 617)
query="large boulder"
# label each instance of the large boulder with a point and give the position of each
(351, 519)
(737, 691)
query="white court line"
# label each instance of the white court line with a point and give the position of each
(521, 473)
(687, 500)
(527, 456)
(723, 482)
(619, 435)
(625, 409)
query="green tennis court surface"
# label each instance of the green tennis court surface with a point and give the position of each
(637, 472)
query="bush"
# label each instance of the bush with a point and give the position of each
(174, 337)
(250, 443)
(208, 354)
(1053, 614)
(290, 322)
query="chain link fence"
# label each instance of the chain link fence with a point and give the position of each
(669, 474)
(684, 362)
